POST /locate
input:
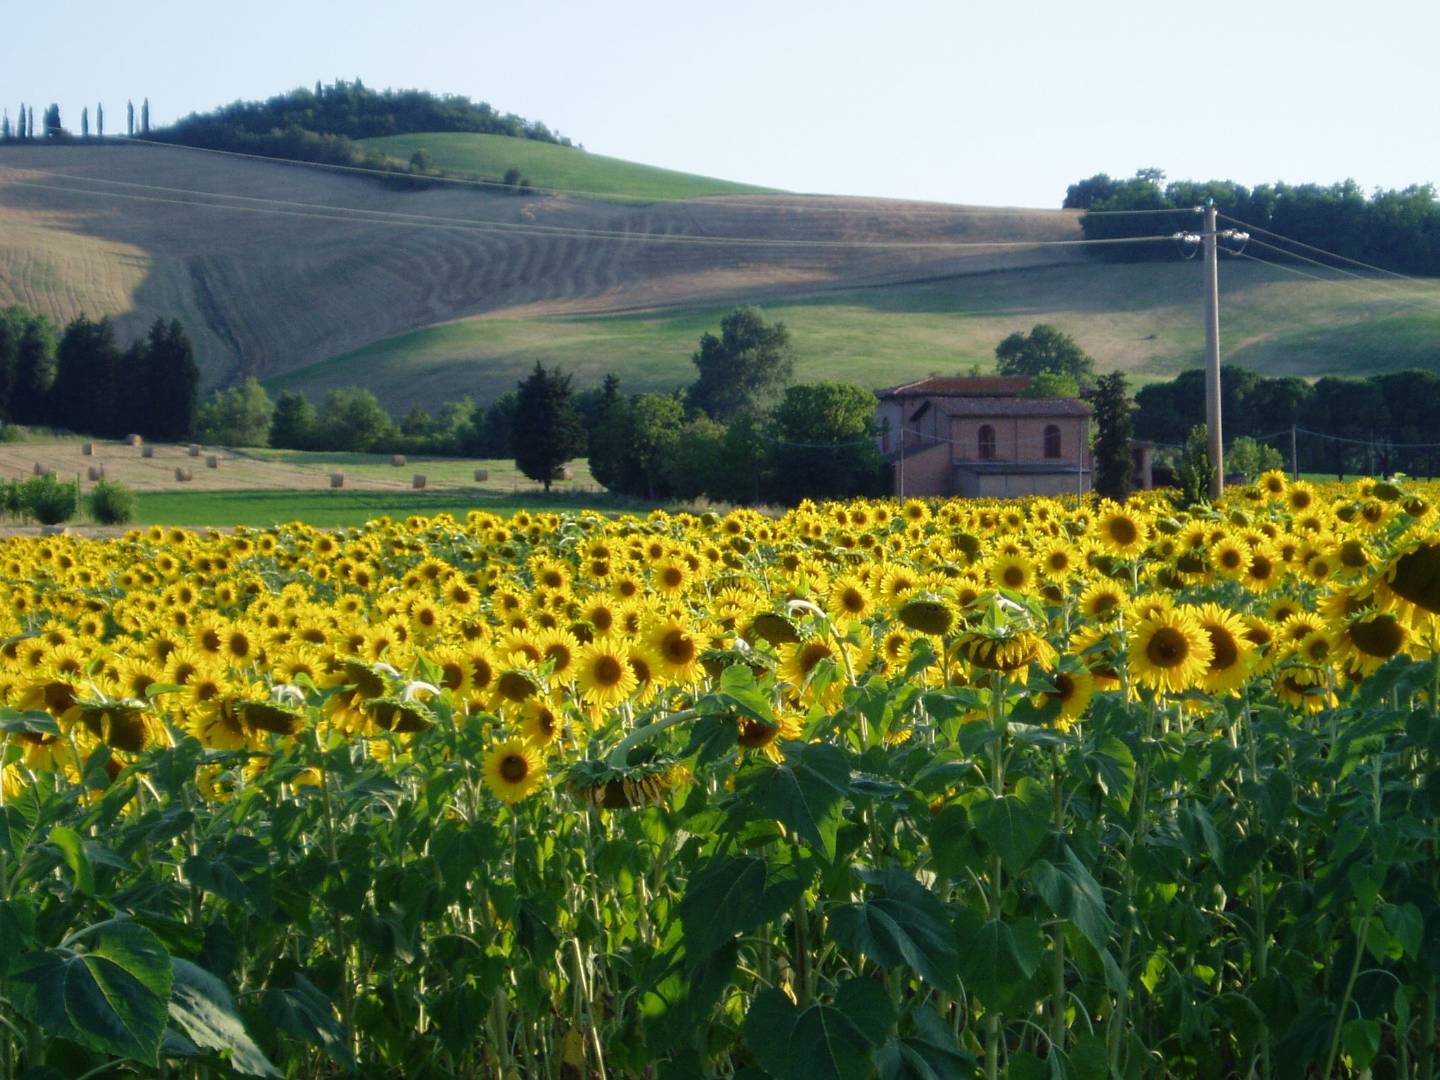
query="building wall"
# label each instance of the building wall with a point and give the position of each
(926, 471)
(991, 485)
(1021, 438)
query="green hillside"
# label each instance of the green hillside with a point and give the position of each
(548, 165)
(1144, 319)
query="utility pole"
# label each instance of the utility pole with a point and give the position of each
(1209, 241)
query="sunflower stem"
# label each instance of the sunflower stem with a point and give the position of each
(617, 758)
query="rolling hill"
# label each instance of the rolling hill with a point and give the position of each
(313, 278)
(549, 165)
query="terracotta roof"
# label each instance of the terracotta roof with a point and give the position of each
(1017, 407)
(958, 386)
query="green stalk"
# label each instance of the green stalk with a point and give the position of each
(1345, 997)
(997, 886)
(646, 733)
(1057, 937)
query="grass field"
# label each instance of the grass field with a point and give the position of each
(1144, 319)
(331, 509)
(547, 165)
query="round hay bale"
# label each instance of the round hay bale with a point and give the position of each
(397, 460)
(194, 450)
(481, 475)
(147, 451)
(134, 440)
(565, 472)
(95, 472)
(417, 481)
(211, 461)
(39, 469)
(88, 449)
(337, 479)
(183, 475)
(55, 530)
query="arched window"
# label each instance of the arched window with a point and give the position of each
(987, 442)
(1052, 440)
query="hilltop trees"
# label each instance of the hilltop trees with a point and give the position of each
(744, 368)
(547, 431)
(53, 130)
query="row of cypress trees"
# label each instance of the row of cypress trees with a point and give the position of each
(23, 129)
(83, 380)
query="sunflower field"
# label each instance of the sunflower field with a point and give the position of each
(1051, 789)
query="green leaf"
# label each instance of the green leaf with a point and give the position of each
(1014, 826)
(931, 1053)
(825, 1045)
(867, 1006)
(1361, 1039)
(996, 955)
(1406, 925)
(806, 793)
(203, 1008)
(1072, 893)
(111, 997)
(1113, 767)
(904, 926)
(737, 692)
(768, 1026)
(72, 850)
(13, 722)
(304, 1012)
(721, 901)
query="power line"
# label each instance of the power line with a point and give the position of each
(1331, 254)
(1377, 443)
(1326, 266)
(1413, 302)
(382, 217)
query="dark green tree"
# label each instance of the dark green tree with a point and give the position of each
(742, 369)
(145, 117)
(1113, 429)
(1045, 350)
(825, 443)
(87, 368)
(99, 120)
(53, 130)
(130, 118)
(5, 126)
(1084, 194)
(547, 431)
(352, 419)
(171, 381)
(85, 122)
(34, 372)
(493, 427)
(236, 416)
(294, 423)
(12, 324)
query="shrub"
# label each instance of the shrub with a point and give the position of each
(49, 501)
(111, 503)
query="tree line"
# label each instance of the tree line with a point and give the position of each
(1398, 229)
(323, 124)
(1366, 425)
(82, 379)
(53, 129)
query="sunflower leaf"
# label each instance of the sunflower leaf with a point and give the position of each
(904, 926)
(204, 1010)
(1014, 826)
(805, 793)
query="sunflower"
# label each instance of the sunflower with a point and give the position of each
(850, 599)
(1074, 687)
(1230, 558)
(513, 769)
(1006, 653)
(1122, 534)
(1305, 687)
(603, 674)
(673, 651)
(1013, 571)
(1231, 650)
(1170, 651)
(1363, 643)
(753, 735)
(539, 722)
(1102, 601)
(1262, 571)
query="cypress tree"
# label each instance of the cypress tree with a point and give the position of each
(130, 118)
(547, 432)
(12, 324)
(20, 123)
(87, 385)
(1113, 464)
(168, 381)
(53, 130)
(145, 117)
(5, 126)
(85, 122)
(99, 120)
(34, 372)
(30, 123)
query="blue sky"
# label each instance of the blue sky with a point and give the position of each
(998, 103)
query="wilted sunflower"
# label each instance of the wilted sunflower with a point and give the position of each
(513, 769)
(1170, 651)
